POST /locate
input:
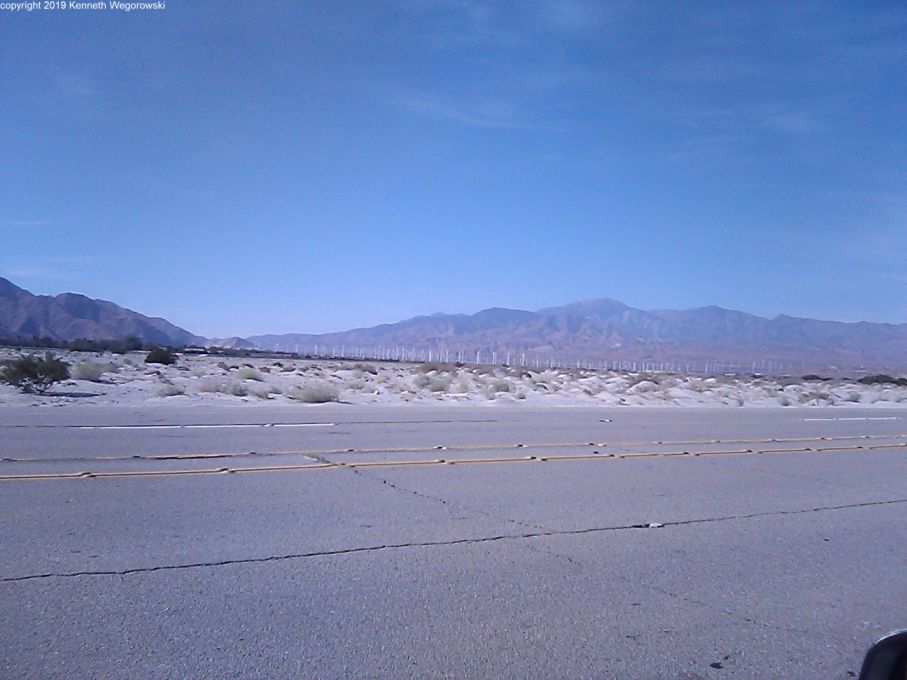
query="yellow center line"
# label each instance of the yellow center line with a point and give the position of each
(432, 462)
(316, 453)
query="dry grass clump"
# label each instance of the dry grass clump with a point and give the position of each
(170, 390)
(483, 370)
(249, 373)
(434, 367)
(314, 393)
(642, 386)
(439, 384)
(460, 387)
(237, 389)
(499, 386)
(265, 392)
(90, 370)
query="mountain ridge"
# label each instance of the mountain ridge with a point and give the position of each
(604, 328)
(601, 329)
(72, 316)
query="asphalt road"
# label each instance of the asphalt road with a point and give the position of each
(336, 541)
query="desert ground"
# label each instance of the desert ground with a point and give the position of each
(126, 380)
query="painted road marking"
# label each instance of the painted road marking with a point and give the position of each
(327, 465)
(198, 427)
(812, 420)
(462, 447)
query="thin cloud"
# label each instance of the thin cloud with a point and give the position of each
(51, 268)
(77, 86)
(35, 271)
(492, 114)
(23, 224)
(571, 15)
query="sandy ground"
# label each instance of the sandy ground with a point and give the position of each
(126, 380)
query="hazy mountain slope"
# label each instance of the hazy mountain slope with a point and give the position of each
(612, 330)
(69, 316)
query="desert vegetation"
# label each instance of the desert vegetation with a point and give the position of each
(32, 374)
(108, 377)
(161, 355)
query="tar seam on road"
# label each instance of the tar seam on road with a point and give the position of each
(463, 447)
(328, 465)
(451, 542)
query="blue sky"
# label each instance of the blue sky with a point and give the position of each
(242, 168)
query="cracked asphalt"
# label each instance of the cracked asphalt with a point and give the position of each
(720, 560)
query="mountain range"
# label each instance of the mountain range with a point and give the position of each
(70, 316)
(600, 329)
(609, 330)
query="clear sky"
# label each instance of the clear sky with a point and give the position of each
(252, 167)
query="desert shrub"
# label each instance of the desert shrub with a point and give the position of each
(438, 384)
(31, 374)
(882, 379)
(421, 381)
(170, 390)
(236, 389)
(461, 387)
(814, 376)
(643, 386)
(434, 366)
(265, 392)
(816, 396)
(161, 355)
(483, 370)
(366, 368)
(499, 386)
(314, 393)
(88, 370)
(249, 373)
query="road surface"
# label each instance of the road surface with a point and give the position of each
(340, 541)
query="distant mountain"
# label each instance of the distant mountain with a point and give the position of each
(610, 330)
(233, 342)
(69, 316)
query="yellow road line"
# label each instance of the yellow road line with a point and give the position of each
(462, 447)
(429, 462)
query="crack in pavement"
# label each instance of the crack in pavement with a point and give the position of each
(449, 542)
(448, 504)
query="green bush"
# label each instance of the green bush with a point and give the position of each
(31, 374)
(160, 355)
